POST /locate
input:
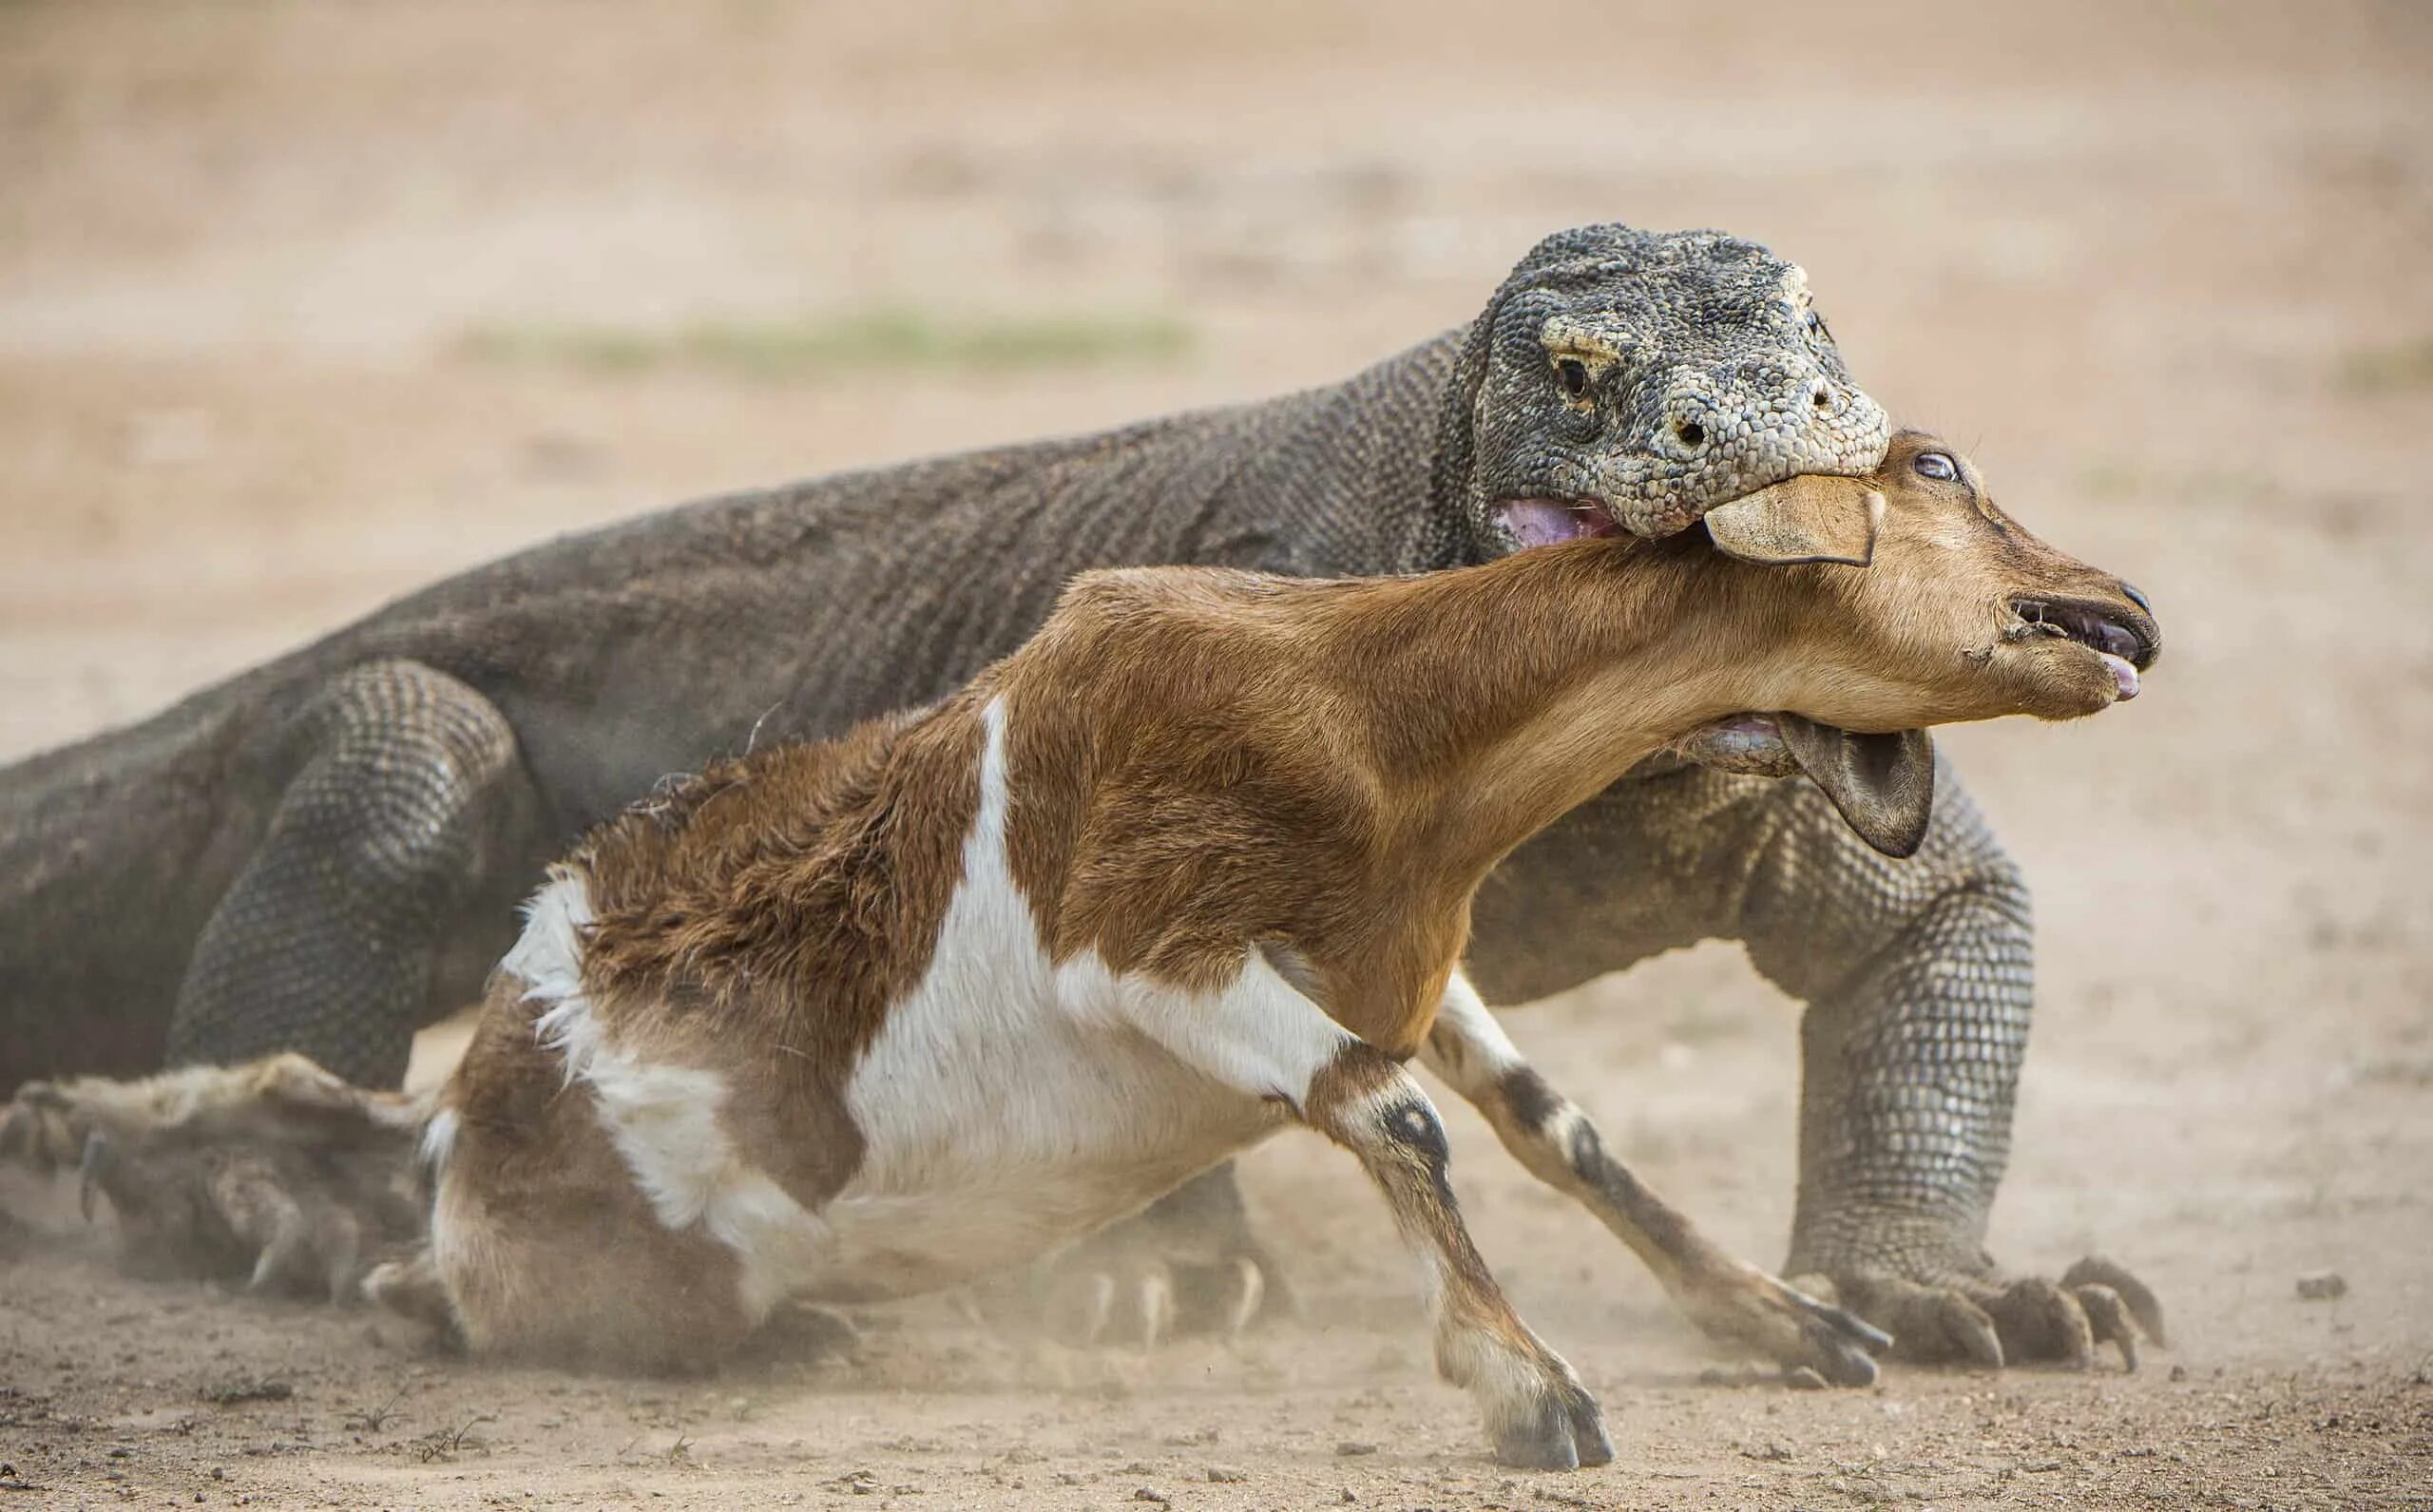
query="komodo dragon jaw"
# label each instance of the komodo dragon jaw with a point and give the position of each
(1624, 381)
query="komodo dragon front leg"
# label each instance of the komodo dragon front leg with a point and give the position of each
(403, 819)
(1918, 977)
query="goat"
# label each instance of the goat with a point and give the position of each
(870, 1017)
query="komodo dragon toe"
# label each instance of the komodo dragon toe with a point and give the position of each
(1991, 1320)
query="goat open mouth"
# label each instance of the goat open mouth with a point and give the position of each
(2125, 650)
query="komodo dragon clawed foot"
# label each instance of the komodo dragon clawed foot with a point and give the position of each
(1994, 1320)
(276, 1173)
(1186, 1265)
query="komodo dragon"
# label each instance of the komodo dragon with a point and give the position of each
(324, 853)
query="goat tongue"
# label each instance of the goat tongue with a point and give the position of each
(1883, 784)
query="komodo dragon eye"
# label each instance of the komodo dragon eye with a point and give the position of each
(1573, 375)
(1817, 327)
(1936, 465)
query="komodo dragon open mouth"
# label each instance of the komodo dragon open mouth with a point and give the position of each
(1549, 521)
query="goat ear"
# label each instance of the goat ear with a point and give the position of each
(1802, 519)
(1883, 784)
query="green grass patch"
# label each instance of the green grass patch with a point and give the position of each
(2388, 370)
(816, 346)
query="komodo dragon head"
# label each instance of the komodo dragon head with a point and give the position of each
(1626, 380)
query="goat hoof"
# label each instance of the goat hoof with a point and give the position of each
(1564, 1429)
(1743, 1307)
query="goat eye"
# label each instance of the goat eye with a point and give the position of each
(1573, 375)
(1936, 465)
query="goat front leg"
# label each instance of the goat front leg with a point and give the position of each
(1732, 1301)
(1263, 1037)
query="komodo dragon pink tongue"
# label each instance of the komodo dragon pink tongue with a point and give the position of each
(1883, 784)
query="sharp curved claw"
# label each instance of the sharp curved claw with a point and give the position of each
(1969, 1331)
(1857, 1329)
(2042, 1313)
(2108, 1314)
(89, 1172)
(2143, 1305)
(1153, 1303)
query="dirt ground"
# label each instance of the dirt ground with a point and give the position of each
(301, 305)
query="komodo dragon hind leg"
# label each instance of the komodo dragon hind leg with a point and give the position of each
(275, 1171)
(407, 810)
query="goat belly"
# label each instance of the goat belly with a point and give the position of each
(1008, 1111)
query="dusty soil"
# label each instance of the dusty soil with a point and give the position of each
(285, 302)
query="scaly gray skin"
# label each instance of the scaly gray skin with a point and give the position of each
(324, 853)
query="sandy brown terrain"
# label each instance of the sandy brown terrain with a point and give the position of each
(301, 305)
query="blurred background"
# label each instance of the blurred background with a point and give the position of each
(302, 305)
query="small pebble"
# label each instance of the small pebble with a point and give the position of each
(2322, 1285)
(1352, 1446)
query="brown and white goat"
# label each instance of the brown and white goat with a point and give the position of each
(892, 1011)
(873, 1016)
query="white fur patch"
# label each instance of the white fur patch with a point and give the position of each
(1482, 1053)
(662, 1120)
(1010, 1103)
(439, 1140)
(548, 954)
